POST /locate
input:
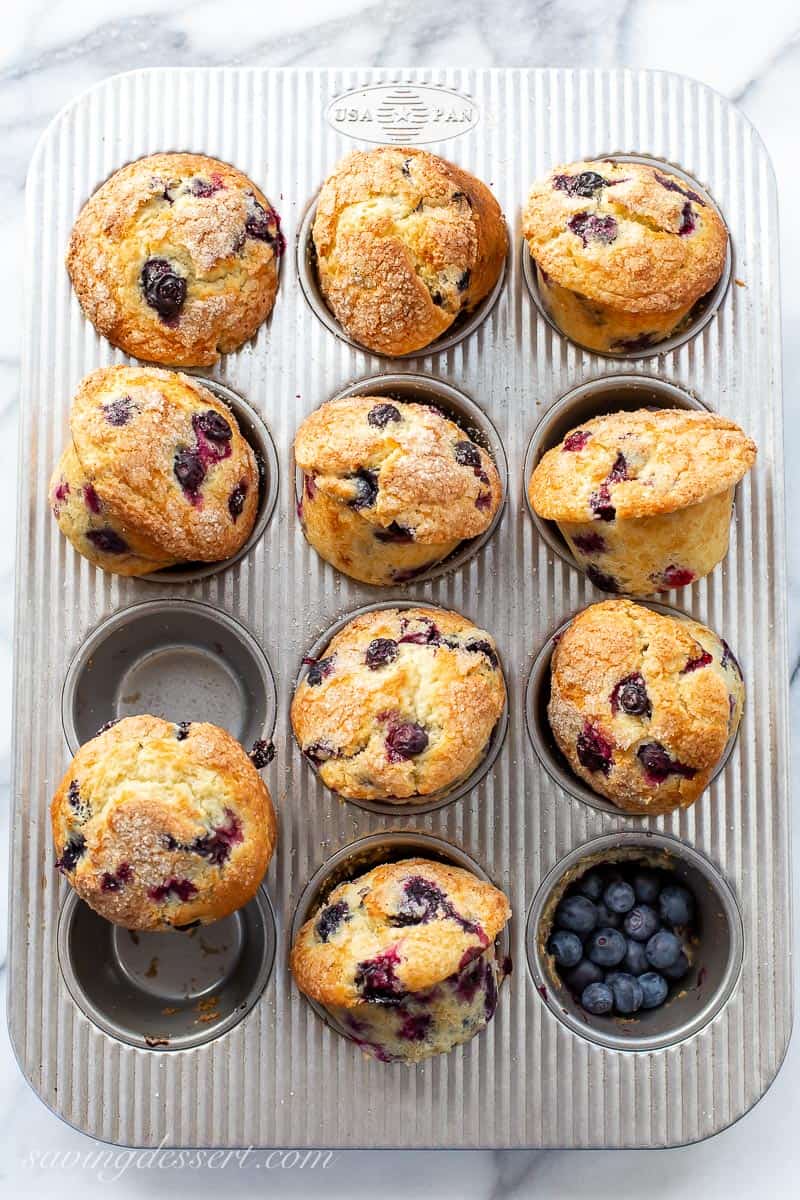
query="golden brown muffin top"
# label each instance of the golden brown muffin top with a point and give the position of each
(400, 928)
(404, 466)
(174, 258)
(157, 825)
(402, 703)
(405, 241)
(642, 703)
(166, 461)
(627, 235)
(637, 464)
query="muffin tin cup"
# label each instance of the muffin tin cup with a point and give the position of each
(597, 398)
(704, 308)
(404, 809)
(716, 959)
(179, 659)
(255, 432)
(166, 991)
(361, 856)
(537, 696)
(464, 325)
(457, 407)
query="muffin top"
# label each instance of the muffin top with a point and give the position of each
(402, 703)
(166, 463)
(159, 825)
(637, 464)
(175, 258)
(626, 235)
(400, 928)
(405, 241)
(405, 468)
(643, 704)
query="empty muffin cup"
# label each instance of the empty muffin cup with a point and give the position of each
(356, 859)
(715, 950)
(177, 659)
(417, 805)
(464, 325)
(636, 335)
(456, 407)
(642, 555)
(537, 698)
(255, 432)
(166, 991)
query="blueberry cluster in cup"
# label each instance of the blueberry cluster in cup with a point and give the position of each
(623, 937)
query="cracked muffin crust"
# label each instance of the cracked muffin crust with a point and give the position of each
(405, 241)
(156, 473)
(175, 259)
(390, 488)
(401, 705)
(643, 704)
(403, 958)
(159, 826)
(623, 251)
(644, 499)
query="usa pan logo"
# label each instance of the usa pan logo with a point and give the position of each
(403, 113)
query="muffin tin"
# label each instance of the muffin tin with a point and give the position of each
(87, 1020)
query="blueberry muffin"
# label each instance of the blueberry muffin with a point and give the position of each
(401, 704)
(160, 826)
(644, 499)
(389, 488)
(403, 958)
(405, 242)
(175, 259)
(643, 705)
(623, 252)
(156, 473)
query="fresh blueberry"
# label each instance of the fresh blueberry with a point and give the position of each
(641, 923)
(581, 976)
(597, 999)
(627, 993)
(606, 947)
(594, 749)
(619, 896)
(405, 741)
(677, 970)
(646, 885)
(164, 290)
(566, 948)
(189, 470)
(107, 541)
(381, 652)
(591, 884)
(366, 485)
(236, 500)
(663, 949)
(635, 960)
(467, 455)
(576, 913)
(213, 426)
(381, 414)
(330, 919)
(319, 670)
(630, 694)
(654, 989)
(676, 905)
(605, 917)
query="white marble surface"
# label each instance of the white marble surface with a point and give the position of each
(51, 49)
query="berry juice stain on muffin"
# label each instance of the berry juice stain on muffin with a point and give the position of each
(623, 251)
(403, 958)
(156, 473)
(157, 826)
(175, 259)
(402, 705)
(644, 499)
(391, 489)
(642, 705)
(405, 242)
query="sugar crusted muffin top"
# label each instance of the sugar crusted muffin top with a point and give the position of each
(638, 464)
(174, 258)
(166, 462)
(643, 704)
(157, 825)
(402, 703)
(627, 235)
(405, 241)
(398, 929)
(403, 467)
